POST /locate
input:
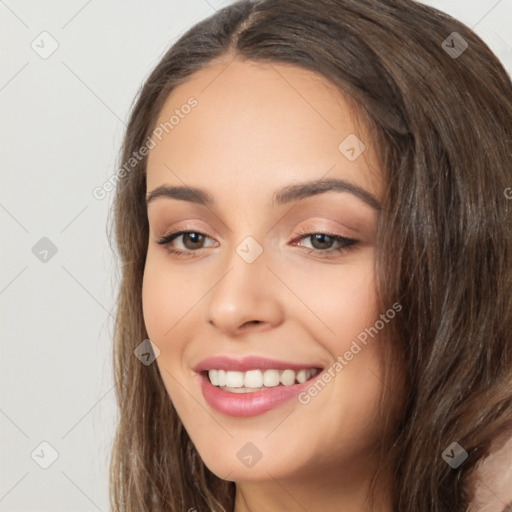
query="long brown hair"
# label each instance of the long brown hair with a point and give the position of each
(442, 128)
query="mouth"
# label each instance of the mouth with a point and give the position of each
(255, 380)
(252, 385)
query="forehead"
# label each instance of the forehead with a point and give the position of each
(259, 125)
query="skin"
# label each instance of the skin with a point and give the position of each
(258, 128)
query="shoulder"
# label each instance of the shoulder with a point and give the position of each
(492, 480)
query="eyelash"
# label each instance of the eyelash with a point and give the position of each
(346, 243)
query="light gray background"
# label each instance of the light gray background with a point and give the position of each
(62, 121)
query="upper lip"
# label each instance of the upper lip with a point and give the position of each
(249, 363)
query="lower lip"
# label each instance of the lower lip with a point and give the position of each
(251, 403)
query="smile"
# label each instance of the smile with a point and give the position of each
(253, 385)
(258, 380)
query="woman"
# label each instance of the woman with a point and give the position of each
(315, 236)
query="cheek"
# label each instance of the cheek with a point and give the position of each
(338, 301)
(355, 305)
(165, 297)
(164, 303)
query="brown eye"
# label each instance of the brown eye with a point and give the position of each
(325, 243)
(191, 242)
(195, 239)
(321, 241)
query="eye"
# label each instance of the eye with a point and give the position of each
(325, 243)
(192, 240)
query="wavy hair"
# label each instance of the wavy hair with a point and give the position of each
(441, 125)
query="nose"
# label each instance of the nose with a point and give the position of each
(246, 298)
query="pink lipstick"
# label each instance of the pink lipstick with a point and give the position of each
(252, 385)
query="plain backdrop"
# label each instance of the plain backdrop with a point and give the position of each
(62, 122)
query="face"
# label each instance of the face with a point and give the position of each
(266, 275)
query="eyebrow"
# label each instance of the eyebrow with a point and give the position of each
(285, 195)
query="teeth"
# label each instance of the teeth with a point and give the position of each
(234, 379)
(214, 377)
(271, 378)
(254, 380)
(287, 377)
(239, 390)
(303, 375)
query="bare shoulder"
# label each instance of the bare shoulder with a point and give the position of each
(492, 480)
